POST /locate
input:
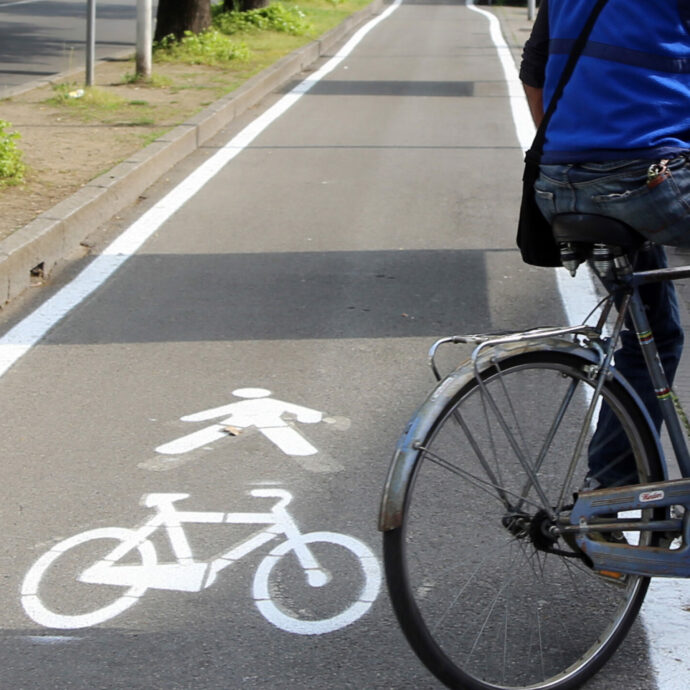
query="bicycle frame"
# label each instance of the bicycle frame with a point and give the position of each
(586, 515)
(187, 574)
(642, 560)
(656, 371)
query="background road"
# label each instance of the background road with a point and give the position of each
(40, 38)
(374, 215)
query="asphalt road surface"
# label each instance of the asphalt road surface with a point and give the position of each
(41, 38)
(267, 343)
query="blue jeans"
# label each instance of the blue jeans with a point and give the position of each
(662, 214)
(619, 189)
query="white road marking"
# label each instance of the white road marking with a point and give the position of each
(665, 613)
(19, 2)
(20, 339)
(186, 574)
(256, 411)
(49, 639)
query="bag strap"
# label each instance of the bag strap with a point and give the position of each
(537, 147)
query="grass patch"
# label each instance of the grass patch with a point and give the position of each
(151, 136)
(279, 17)
(83, 99)
(12, 168)
(141, 122)
(106, 106)
(208, 48)
(258, 36)
(158, 81)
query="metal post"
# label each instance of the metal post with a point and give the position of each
(90, 40)
(144, 38)
(531, 7)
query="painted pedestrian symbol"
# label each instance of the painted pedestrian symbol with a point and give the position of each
(255, 410)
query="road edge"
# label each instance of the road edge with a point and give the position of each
(56, 235)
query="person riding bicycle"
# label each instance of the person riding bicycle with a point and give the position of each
(618, 145)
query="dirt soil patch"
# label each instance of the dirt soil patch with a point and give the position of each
(67, 143)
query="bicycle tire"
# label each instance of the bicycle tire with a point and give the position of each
(483, 608)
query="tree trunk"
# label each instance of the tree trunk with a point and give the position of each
(244, 5)
(177, 16)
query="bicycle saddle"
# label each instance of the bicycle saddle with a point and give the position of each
(589, 228)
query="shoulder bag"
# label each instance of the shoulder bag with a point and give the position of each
(534, 236)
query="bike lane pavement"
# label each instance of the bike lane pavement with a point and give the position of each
(313, 271)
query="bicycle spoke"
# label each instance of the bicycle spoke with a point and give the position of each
(495, 482)
(555, 426)
(482, 484)
(541, 644)
(469, 581)
(515, 447)
(513, 575)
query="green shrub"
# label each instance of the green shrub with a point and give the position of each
(11, 166)
(214, 47)
(275, 17)
(208, 48)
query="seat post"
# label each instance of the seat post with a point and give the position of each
(623, 265)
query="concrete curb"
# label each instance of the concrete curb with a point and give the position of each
(56, 235)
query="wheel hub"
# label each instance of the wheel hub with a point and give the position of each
(540, 531)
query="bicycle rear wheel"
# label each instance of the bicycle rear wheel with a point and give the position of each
(487, 604)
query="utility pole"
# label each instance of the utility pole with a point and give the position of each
(90, 40)
(531, 9)
(144, 38)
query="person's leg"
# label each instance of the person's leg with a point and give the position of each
(610, 458)
(618, 189)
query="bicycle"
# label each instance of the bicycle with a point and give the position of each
(502, 572)
(117, 574)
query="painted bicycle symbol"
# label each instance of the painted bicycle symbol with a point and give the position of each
(186, 574)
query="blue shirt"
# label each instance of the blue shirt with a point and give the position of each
(629, 96)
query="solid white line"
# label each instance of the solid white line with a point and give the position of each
(524, 127)
(19, 2)
(577, 295)
(20, 339)
(665, 612)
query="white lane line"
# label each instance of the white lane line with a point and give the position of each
(578, 295)
(20, 339)
(665, 614)
(518, 103)
(19, 2)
